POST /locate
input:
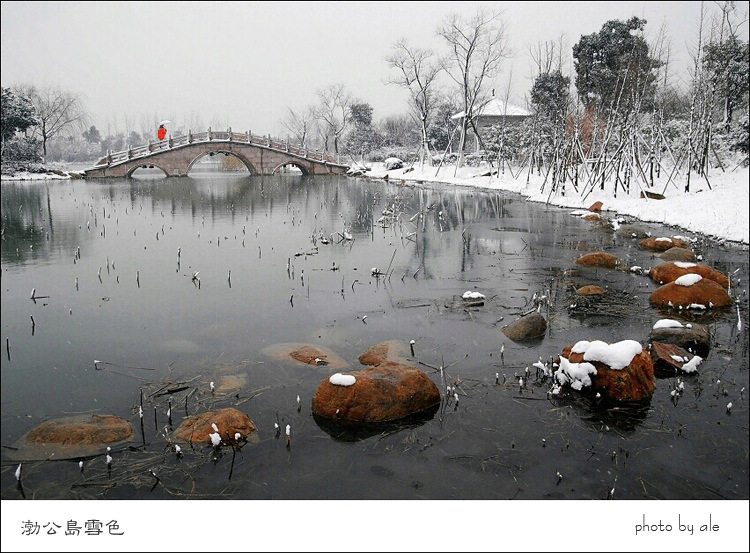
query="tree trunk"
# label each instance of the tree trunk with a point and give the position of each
(424, 150)
(462, 144)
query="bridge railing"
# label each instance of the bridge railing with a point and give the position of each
(214, 136)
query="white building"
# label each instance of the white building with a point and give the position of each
(495, 112)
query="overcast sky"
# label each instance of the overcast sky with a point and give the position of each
(244, 63)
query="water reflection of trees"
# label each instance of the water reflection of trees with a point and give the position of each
(27, 209)
(23, 221)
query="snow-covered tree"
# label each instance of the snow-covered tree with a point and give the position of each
(299, 124)
(333, 112)
(615, 63)
(57, 111)
(418, 71)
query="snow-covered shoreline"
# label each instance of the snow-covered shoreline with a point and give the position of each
(721, 211)
(26, 176)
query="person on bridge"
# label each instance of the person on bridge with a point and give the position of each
(162, 132)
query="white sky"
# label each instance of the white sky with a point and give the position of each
(244, 63)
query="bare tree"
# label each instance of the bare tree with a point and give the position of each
(194, 121)
(477, 48)
(418, 72)
(333, 112)
(299, 124)
(58, 111)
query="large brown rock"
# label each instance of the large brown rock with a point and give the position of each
(632, 383)
(704, 292)
(669, 272)
(229, 421)
(695, 339)
(662, 244)
(529, 326)
(93, 430)
(387, 392)
(668, 359)
(678, 254)
(71, 438)
(599, 259)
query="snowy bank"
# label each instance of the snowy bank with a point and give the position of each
(720, 211)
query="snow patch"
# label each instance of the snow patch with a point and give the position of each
(663, 239)
(577, 375)
(667, 323)
(339, 379)
(692, 365)
(688, 279)
(685, 264)
(469, 295)
(615, 356)
(580, 347)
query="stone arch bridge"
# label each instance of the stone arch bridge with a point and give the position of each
(175, 156)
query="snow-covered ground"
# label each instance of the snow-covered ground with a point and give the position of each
(25, 175)
(721, 210)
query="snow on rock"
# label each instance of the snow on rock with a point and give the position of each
(393, 163)
(581, 346)
(616, 356)
(339, 379)
(469, 295)
(671, 271)
(688, 279)
(692, 365)
(667, 323)
(629, 378)
(577, 375)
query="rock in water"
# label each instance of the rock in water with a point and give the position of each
(383, 352)
(529, 326)
(635, 382)
(671, 271)
(387, 392)
(668, 359)
(632, 232)
(599, 259)
(591, 290)
(695, 339)
(662, 244)
(71, 437)
(678, 254)
(229, 421)
(704, 292)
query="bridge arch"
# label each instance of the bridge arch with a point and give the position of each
(149, 165)
(246, 162)
(300, 166)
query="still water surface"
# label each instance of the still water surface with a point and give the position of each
(129, 301)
